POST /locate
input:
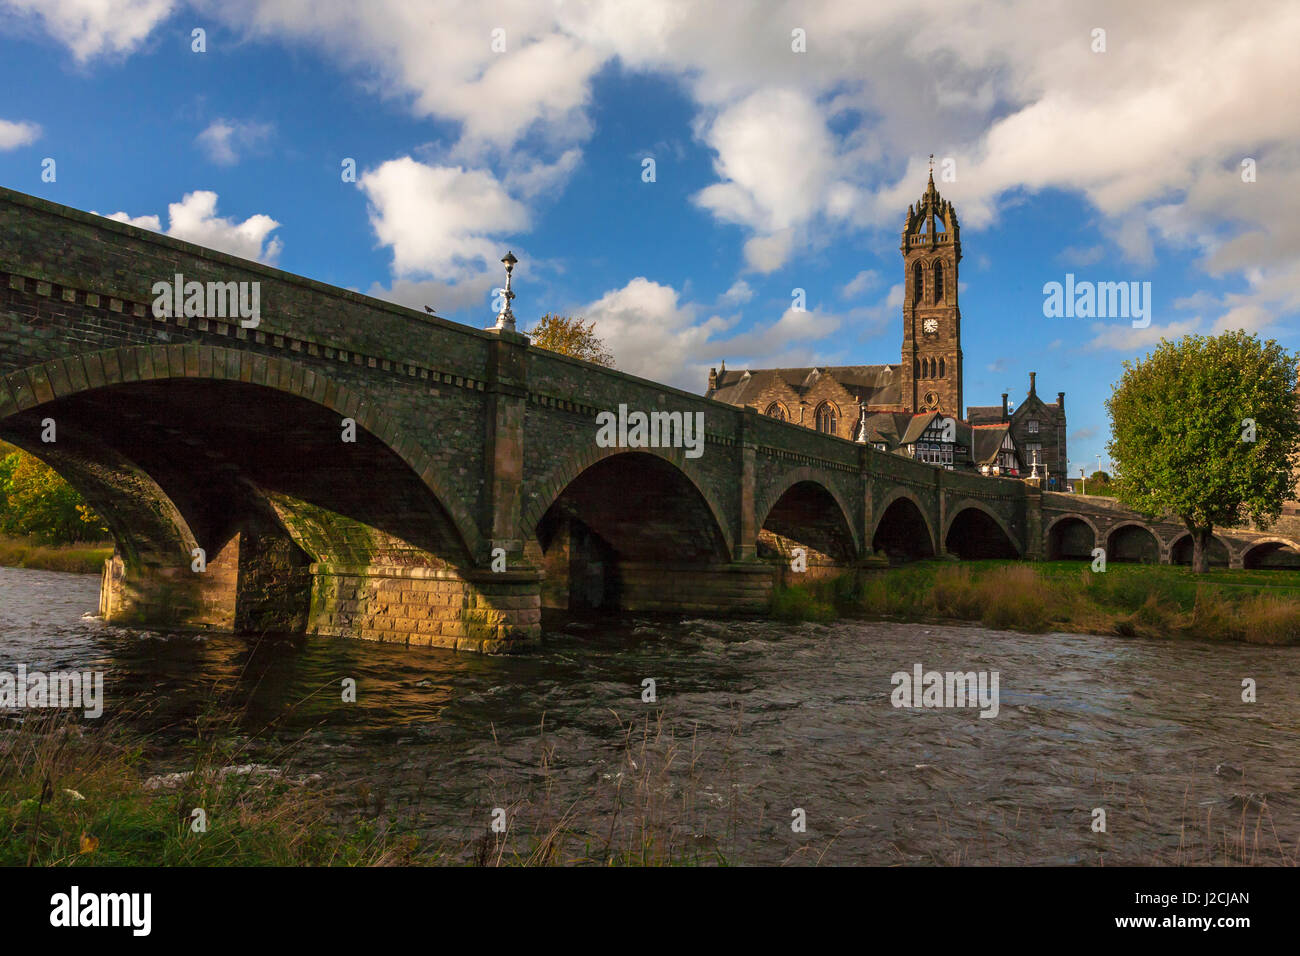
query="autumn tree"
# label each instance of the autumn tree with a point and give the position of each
(35, 500)
(1206, 429)
(569, 335)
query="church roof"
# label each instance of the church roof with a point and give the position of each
(871, 384)
(984, 414)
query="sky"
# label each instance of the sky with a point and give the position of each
(1116, 142)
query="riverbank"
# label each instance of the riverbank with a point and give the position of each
(1128, 600)
(87, 558)
(79, 794)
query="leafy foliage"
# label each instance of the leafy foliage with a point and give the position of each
(36, 501)
(569, 335)
(1183, 420)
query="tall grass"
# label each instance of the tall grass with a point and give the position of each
(77, 558)
(1130, 600)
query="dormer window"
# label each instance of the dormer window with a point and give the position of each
(1031, 426)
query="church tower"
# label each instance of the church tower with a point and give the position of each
(932, 361)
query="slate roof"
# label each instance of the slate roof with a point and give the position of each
(872, 384)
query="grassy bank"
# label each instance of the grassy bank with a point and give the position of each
(86, 558)
(82, 793)
(1259, 607)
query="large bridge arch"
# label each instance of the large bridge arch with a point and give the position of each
(37, 387)
(626, 528)
(902, 526)
(243, 455)
(549, 489)
(804, 508)
(978, 537)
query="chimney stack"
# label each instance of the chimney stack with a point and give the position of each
(1060, 400)
(1033, 388)
(1004, 406)
(713, 379)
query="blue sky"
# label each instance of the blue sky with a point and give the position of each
(775, 169)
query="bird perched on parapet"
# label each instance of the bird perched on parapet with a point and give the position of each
(429, 309)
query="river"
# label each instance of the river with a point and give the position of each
(752, 721)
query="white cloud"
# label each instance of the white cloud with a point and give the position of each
(224, 140)
(440, 221)
(90, 28)
(13, 135)
(860, 283)
(1125, 338)
(195, 219)
(806, 146)
(738, 294)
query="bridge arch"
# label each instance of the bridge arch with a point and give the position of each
(902, 527)
(974, 530)
(560, 478)
(803, 508)
(240, 455)
(1256, 554)
(1132, 541)
(626, 528)
(37, 387)
(1071, 536)
(1182, 549)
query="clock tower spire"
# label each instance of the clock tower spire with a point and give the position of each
(932, 359)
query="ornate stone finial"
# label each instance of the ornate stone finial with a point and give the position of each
(932, 167)
(506, 317)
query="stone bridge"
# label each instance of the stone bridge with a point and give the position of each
(354, 468)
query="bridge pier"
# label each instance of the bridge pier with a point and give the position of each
(477, 610)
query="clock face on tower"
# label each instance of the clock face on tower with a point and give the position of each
(930, 326)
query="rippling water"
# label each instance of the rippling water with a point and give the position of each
(753, 719)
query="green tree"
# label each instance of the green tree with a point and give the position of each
(35, 500)
(569, 335)
(1206, 429)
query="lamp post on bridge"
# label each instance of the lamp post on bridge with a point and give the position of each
(506, 317)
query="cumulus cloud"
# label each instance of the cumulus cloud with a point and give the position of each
(90, 28)
(440, 221)
(15, 134)
(654, 333)
(806, 146)
(225, 140)
(738, 294)
(195, 219)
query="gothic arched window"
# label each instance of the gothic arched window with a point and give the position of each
(916, 368)
(777, 411)
(826, 418)
(938, 282)
(918, 284)
(941, 372)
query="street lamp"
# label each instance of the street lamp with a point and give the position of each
(506, 318)
(1083, 481)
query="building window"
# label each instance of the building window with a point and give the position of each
(1032, 426)
(934, 453)
(941, 372)
(917, 282)
(826, 418)
(777, 411)
(938, 282)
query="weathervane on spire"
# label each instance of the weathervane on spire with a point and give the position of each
(932, 165)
